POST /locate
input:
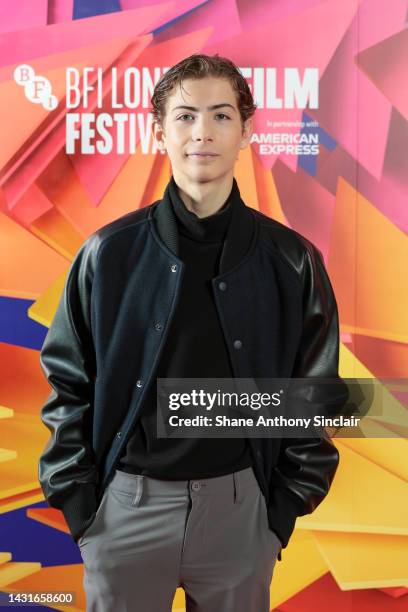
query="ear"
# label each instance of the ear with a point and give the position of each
(159, 136)
(246, 133)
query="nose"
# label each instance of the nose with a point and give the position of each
(202, 130)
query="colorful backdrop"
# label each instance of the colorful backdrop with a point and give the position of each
(328, 158)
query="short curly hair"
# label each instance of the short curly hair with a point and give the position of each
(199, 66)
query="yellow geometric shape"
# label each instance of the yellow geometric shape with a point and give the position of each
(349, 365)
(6, 413)
(29, 437)
(5, 557)
(367, 278)
(10, 572)
(388, 453)
(44, 308)
(7, 455)
(363, 498)
(365, 561)
(179, 601)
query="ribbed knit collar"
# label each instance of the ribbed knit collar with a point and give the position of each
(208, 229)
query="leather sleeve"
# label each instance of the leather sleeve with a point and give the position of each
(306, 466)
(66, 470)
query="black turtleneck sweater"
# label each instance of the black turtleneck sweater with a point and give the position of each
(195, 348)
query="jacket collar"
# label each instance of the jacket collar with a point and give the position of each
(238, 238)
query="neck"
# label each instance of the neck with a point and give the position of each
(207, 229)
(204, 199)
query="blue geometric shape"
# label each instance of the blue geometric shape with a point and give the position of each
(28, 540)
(91, 8)
(16, 327)
(168, 24)
(308, 162)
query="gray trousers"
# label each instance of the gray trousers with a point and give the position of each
(210, 536)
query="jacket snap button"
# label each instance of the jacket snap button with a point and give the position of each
(237, 344)
(139, 383)
(158, 326)
(196, 486)
(222, 285)
(174, 268)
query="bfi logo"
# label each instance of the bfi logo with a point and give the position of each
(37, 89)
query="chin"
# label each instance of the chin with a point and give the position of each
(202, 175)
(202, 179)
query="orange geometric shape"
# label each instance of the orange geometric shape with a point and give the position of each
(22, 384)
(367, 279)
(31, 264)
(49, 516)
(268, 196)
(27, 498)
(58, 233)
(245, 176)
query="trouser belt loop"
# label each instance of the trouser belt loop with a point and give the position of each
(139, 490)
(238, 492)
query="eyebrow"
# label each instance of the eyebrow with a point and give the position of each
(213, 107)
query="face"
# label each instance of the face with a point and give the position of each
(202, 131)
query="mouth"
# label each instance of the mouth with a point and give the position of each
(202, 155)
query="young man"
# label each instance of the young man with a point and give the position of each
(195, 285)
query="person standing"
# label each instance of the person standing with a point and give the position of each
(195, 285)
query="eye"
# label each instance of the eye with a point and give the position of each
(222, 114)
(185, 115)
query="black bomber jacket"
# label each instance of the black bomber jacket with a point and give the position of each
(101, 350)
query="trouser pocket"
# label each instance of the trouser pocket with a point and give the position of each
(95, 519)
